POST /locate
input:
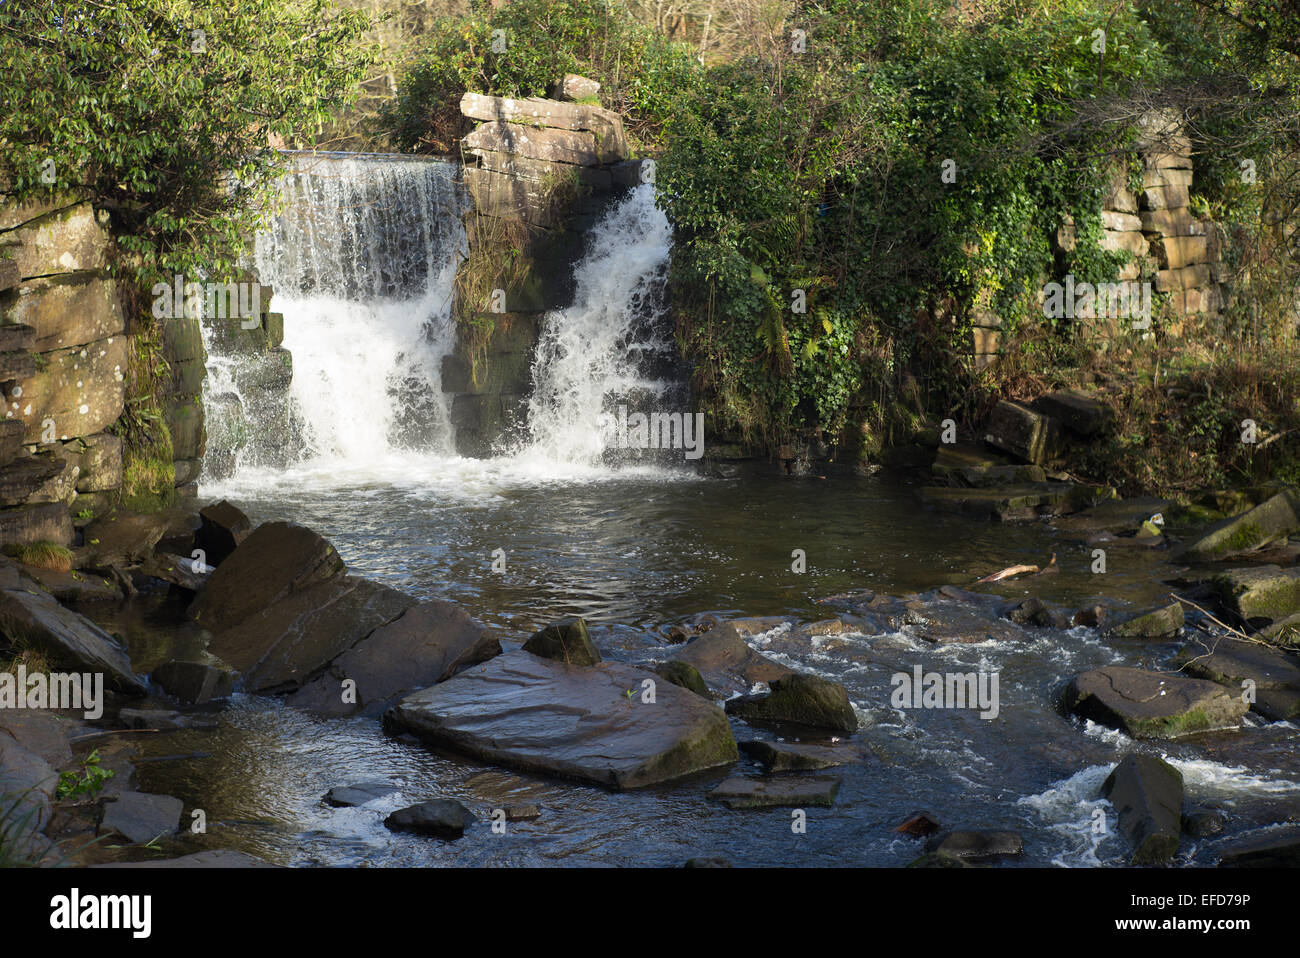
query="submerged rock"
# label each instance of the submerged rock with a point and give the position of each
(783, 792)
(1148, 796)
(1156, 623)
(440, 817)
(799, 757)
(565, 641)
(1275, 848)
(1152, 704)
(976, 845)
(588, 723)
(349, 796)
(801, 700)
(140, 817)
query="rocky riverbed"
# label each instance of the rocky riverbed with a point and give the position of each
(265, 702)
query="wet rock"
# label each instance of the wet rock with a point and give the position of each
(1024, 432)
(122, 539)
(426, 644)
(1092, 617)
(948, 621)
(726, 661)
(32, 618)
(1261, 594)
(918, 825)
(523, 813)
(1147, 704)
(1016, 502)
(976, 845)
(938, 860)
(1148, 796)
(1033, 611)
(564, 641)
(289, 643)
(1204, 822)
(194, 683)
(164, 720)
(180, 571)
(783, 792)
(543, 716)
(212, 858)
(1270, 521)
(442, 818)
(277, 560)
(140, 817)
(799, 757)
(707, 863)
(1232, 662)
(1272, 848)
(801, 700)
(222, 527)
(1157, 623)
(349, 796)
(685, 675)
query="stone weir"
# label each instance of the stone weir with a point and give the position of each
(539, 173)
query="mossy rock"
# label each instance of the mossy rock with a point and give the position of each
(1153, 624)
(801, 700)
(1261, 594)
(564, 641)
(685, 675)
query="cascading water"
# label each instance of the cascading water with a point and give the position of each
(609, 347)
(362, 259)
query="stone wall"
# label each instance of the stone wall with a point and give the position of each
(63, 360)
(1179, 254)
(539, 173)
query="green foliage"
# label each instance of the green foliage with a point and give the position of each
(524, 47)
(87, 782)
(163, 111)
(821, 172)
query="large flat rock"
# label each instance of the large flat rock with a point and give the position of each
(1152, 704)
(543, 716)
(31, 617)
(1232, 662)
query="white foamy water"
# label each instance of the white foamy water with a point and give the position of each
(362, 257)
(1074, 813)
(590, 355)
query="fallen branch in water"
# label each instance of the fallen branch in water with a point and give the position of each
(1010, 572)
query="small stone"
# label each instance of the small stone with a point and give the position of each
(349, 796)
(441, 817)
(977, 845)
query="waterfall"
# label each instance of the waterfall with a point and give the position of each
(362, 257)
(610, 348)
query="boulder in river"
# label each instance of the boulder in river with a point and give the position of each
(222, 527)
(141, 817)
(565, 641)
(1271, 848)
(275, 561)
(799, 756)
(349, 796)
(285, 645)
(1158, 623)
(976, 845)
(794, 791)
(590, 723)
(1275, 518)
(1148, 797)
(800, 700)
(32, 618)
(683, 674)
(726, 661)
(1259, 594)
(1274, 674)
(441, 817)
(1152, 704)
(426, 644)
(194, 683)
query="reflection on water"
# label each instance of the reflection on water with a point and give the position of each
(636, 552)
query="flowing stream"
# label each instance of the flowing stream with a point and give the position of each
(362, 261)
